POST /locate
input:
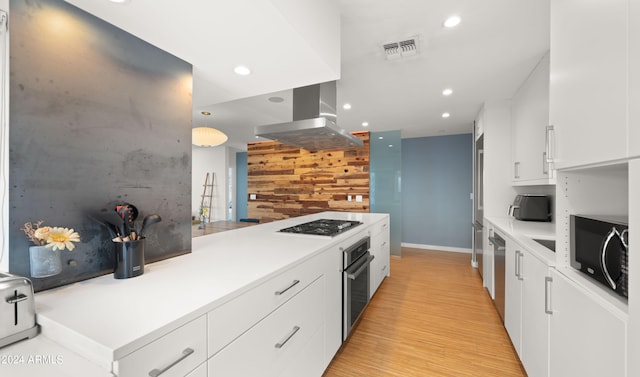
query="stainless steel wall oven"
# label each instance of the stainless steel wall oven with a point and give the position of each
(355, 283)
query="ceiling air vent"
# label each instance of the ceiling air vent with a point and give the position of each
(401, 49)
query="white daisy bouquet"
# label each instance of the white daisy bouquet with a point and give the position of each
(53, 237)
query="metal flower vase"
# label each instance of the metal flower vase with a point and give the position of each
(44, 261)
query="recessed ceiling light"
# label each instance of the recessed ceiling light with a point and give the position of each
(205, 113)
(276, 99)
(390, 145)
(380, 137)
(365, 124)
(346, 106)
(452, 21)
(447, 92)
(242, 70)
(446, 115)
(119, 1)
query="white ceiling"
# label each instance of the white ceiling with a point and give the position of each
(486, 57)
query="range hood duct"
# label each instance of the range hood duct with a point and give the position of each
(314, 125)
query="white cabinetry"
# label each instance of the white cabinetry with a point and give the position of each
(535, 319)
(513, 294)
(589, 76)
(526, 319)
(587, 339)
(498, 192)
(173, 355)
(529, 129)
(276, 342)
(634, 78)
(380, 249)
(228, 321)
(487, 258)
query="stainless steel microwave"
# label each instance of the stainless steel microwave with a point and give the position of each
(599, 248)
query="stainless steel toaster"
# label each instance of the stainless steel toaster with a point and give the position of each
(531, 207)
(17, 309)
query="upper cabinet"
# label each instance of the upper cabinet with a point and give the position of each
(634, 78)
(589, 98)
(530, 133)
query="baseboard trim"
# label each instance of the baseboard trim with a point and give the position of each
(437, 248)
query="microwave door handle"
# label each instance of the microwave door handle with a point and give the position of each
(623, 234)
(603, 257)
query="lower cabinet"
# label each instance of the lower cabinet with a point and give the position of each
(513, 294)
(535, 317)
(381, 250)
(173, 355)
(526, 318)
(292, 335)
(587, 340)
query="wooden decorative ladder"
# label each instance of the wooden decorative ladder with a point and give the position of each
(207, 198)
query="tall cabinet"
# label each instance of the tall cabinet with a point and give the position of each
(594, 92)
(589, 76)
(530, 138)
(634, 78)
(495, 119)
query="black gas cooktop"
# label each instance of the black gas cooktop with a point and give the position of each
(323, 227)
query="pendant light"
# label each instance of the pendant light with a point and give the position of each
(207, 137)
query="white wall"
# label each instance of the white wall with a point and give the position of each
(212, 160)
(4, 147)
(231, 164)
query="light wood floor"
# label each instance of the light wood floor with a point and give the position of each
(432, 317)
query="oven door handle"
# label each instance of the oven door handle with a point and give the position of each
(353, 275)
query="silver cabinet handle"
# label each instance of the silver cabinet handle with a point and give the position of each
(547, 294)
(548, 141)
(603, 256)
(293, 332)
(499, 246)
(545, 164)
(521, 255)
(186, 353)
(278, 293)
(516, 170)
(517, 266)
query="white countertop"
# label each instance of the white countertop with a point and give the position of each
(42, 357)
(103, 319)
(523, 232)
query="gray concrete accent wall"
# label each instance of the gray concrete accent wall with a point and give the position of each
(96, 116)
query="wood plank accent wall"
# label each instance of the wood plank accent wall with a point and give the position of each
(290, 181)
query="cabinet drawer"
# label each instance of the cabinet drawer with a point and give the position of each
(380, 227)
(177, 353)
(275, 343)
(230, 320)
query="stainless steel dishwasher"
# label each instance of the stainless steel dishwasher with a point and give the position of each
(498, 271)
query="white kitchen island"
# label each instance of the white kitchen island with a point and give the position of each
(199, 307)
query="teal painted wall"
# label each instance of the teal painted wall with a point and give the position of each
(386, 181)
(437, 183)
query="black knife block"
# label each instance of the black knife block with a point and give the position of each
(129, 259)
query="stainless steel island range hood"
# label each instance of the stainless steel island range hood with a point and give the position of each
(314, 125)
